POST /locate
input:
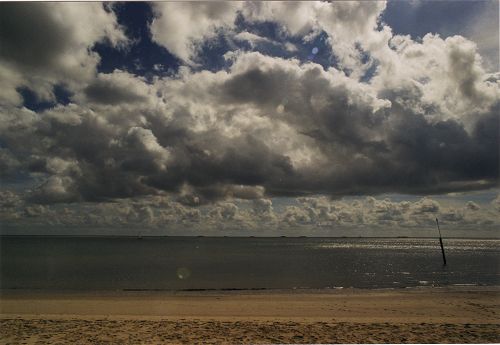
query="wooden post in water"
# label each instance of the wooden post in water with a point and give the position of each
(441, 242)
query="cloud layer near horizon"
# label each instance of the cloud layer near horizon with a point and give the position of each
(312, 216)
(392, 115)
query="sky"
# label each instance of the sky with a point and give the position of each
(365, 118)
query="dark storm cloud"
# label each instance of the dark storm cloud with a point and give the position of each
(241, 161)
(392, 149)
(9, 165)
(37, 35)
(36, 45)
(264, 127)
(49, 44)
(310, 103)
(108, 162)
(255, 85)
(433, 154)
(116, 88)
(364, 149)
(106, 94)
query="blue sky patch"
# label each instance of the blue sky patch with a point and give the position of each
(143, 57)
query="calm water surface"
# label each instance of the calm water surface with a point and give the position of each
(180, 263)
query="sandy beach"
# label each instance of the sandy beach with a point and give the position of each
(427, 315)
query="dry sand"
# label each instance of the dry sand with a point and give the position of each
(433, 315)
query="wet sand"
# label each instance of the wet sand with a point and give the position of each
(431, 315)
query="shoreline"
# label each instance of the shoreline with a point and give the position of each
(462, 304)
(417, 315)
(10, 292)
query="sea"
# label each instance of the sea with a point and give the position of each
(242, 263)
